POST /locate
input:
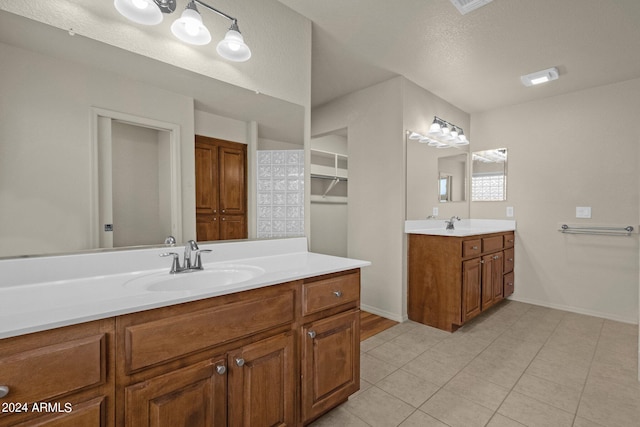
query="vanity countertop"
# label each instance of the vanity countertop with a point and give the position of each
(464, 227)
(43, 293)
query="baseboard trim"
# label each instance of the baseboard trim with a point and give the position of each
(575, 310)
(383, 313)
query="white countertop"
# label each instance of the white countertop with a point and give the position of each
(48, 292)
(462, 228)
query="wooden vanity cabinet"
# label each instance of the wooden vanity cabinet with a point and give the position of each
(454, 279)
(330, 342)
(228, 360)
(63, 377)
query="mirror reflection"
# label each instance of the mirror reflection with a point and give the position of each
(489, 175)
(52, 188)
(452, 178)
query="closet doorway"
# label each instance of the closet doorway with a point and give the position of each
(329, 192)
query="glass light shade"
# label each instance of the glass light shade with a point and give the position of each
(435, 127)
(415, 135)
(233, 48)
(454, 131)
(144, 12)
(189, 28)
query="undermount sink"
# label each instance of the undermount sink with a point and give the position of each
(196, 280)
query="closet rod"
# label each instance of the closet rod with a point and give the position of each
(329, 177)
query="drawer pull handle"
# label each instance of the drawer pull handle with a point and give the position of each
(475, 248)
(312, 334)
(240, 361)
(4, 390)
(221, 369)
(511, 259)
(338, 294)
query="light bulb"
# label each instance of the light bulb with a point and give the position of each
(140, 4)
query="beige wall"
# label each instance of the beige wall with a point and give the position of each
(579, 149)
(46, 123)
(373, 117)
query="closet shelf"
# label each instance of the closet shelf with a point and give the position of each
(334, 165)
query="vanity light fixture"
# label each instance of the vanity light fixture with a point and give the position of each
(189, 28)
(539, 77)
(442, 134)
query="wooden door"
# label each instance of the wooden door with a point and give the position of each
(195, 396)
(471, 288)
(232, 174)
(330, 362)
(221, 189)
(262, 383)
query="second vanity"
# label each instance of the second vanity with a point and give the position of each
(456, 274)
(279, 347)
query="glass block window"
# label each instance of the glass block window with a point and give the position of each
(280, 193)
(488, 187)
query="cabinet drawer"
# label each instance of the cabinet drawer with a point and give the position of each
(330, 292)
(509, 240)
(508, 260)
(492, 243)
(145, 344)
(40, 374)
(471, 248)
(508, 284)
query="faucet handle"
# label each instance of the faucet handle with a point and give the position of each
(198, 264)
(175, 265)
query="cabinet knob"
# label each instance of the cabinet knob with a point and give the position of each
(239, 361)
(481, 261)
(338, 294)
(475, 248)
(221, 369)
(312, 334)
(224, 219)
(222, 210)
(511, 259)
(496, 256)
(4, 390)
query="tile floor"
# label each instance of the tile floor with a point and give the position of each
(516, 365)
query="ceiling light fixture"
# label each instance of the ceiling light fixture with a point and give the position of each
(442, 134)
(539, 77)
(189, 28)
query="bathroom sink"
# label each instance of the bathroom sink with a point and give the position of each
(196, 280)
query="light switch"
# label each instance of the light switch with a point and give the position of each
(509, 211)
(583, 211)
(434, 212)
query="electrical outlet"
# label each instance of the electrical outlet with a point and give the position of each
(509, 211)
(434, 212)
(583, 211)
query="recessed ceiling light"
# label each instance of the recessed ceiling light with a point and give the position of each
(540, 77)
(466, 6)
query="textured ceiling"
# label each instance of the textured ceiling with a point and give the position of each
(474, 61)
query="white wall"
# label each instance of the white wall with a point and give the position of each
(214, 126)
(579, 149)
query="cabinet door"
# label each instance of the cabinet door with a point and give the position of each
(471, 291)
(233, 227)
(262, 383)
(487, 284)
(195, 396)
(206, 164)
(85, 414)
(497, 276)
(207, 227)
(233, 187)
(330, 362)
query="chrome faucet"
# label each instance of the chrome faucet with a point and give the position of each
(187, 266)
(450, 222)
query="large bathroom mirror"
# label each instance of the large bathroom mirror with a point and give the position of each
(52, 83)
(489, 175)
(452, 178)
